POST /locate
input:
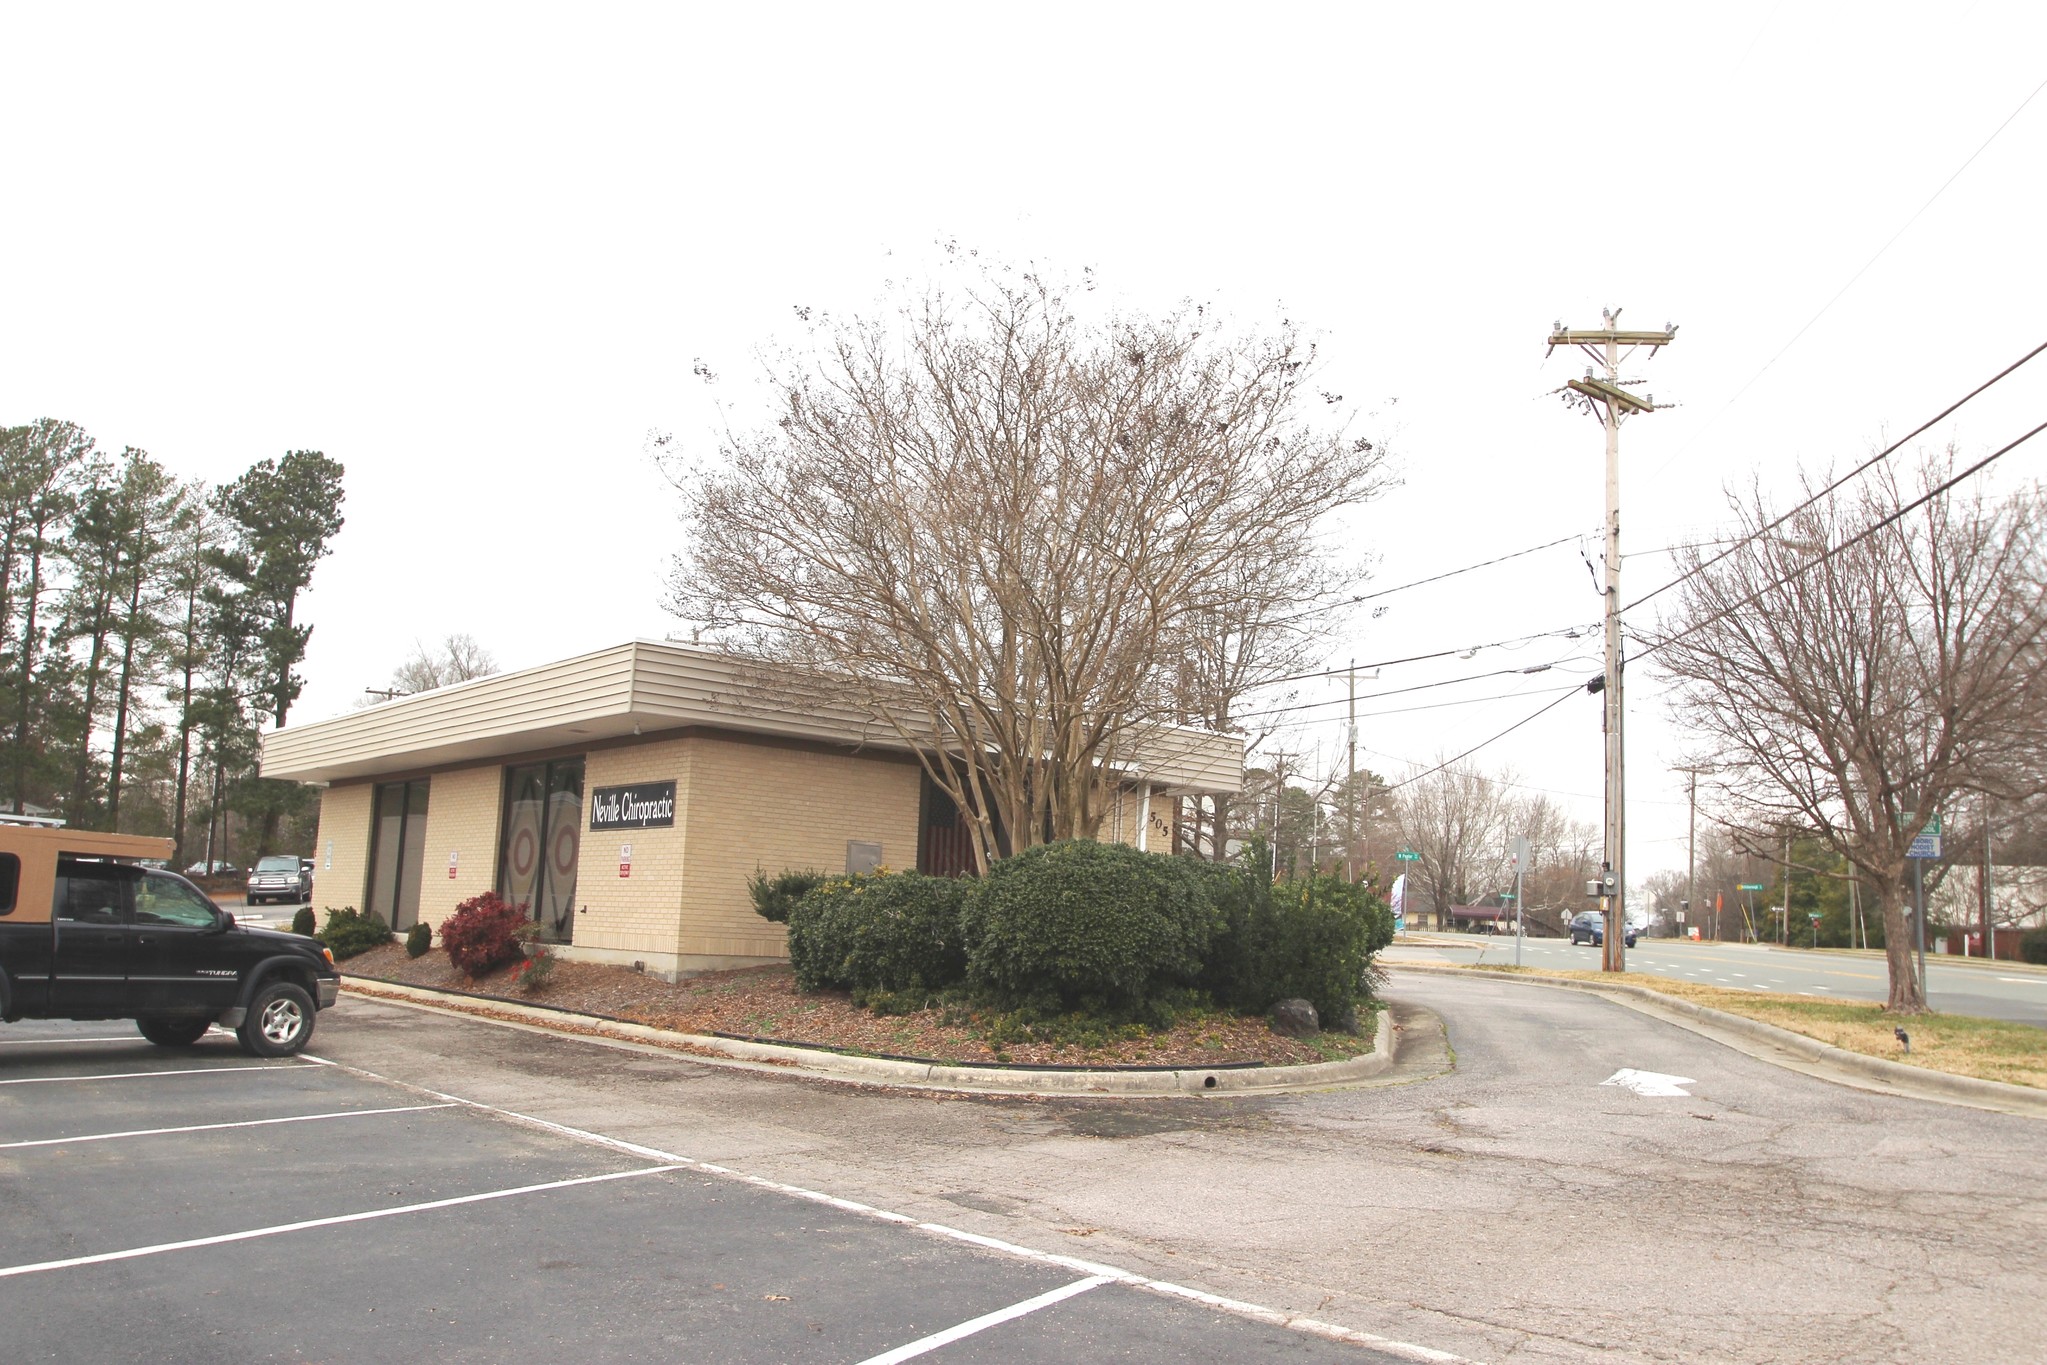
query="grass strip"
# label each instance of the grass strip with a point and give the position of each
(1958, 1044)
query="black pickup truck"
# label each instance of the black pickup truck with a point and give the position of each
(86, 932)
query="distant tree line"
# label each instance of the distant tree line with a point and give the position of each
(150, 629)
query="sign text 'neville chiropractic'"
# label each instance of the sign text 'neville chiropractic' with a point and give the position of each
(644, 805)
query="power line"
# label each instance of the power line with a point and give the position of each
(1867, 464)
(1515, 642)
(1853, 540)
(1461, 701)
(1539, 711)
(1398, 691)
(1917, 214)
(1433, 578)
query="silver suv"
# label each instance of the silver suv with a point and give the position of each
(280, 878)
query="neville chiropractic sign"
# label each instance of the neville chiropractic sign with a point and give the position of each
(644, 805)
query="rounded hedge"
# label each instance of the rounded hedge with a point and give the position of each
(1311, 938)
(350, 932)
(2033, 946)
(1087, 925)
(888, 932)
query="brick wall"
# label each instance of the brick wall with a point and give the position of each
(341, 855)
(637, 916)
(461, 819)
(771, 807)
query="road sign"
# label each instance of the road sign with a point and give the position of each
(1926, 843)
(1813, 915)
(1520, 862)
(1752, 886)
(1408, 855)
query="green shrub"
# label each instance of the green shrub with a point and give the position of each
(349, 932)
(891, 938)
(483, 933)
(1311, 938)
(2033, 946)
(418, 939)
(775, 897)
(1080, 925)
(305, 923)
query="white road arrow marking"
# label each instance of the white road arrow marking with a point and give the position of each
(1651, 1083)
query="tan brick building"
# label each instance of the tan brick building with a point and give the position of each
(626, 796)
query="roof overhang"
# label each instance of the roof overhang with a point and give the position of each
(643, 688)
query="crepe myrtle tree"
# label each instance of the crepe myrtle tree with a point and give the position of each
(1001, 530)
(1861, 663)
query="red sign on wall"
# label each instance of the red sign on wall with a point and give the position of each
(625, 860)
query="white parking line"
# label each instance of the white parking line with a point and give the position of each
(269, 1070)
(132, 1253)
(1329, 1331)
(925, 1345)
(2025, 980)
(45, 1042)
(216, 1127)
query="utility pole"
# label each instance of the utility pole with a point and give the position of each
(1787, 888)
(1607, 400)
(1350, 835)
(1692, 848)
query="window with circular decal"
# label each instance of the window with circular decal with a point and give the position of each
(542, 838)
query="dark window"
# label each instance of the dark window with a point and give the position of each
(10, 881)
(89, 893)
(945, 841)
(397, 852)
(540, 840)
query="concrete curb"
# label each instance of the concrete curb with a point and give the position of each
(915, 1075)
(1824, 1059)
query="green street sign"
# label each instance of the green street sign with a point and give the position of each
(1813, 915)
(1408, 855)
(1752, 886)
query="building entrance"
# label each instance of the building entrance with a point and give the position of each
(541, 838)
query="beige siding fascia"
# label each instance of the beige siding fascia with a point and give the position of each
(615, 693)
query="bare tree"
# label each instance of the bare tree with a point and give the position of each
(457, 658)
(1853, 670)
(1456, 818)
(1001, 532)
(1566, 853)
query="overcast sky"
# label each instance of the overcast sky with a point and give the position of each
(472, 252)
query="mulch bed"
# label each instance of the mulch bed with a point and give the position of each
(764, 1003)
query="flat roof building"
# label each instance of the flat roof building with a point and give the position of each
(626, 797)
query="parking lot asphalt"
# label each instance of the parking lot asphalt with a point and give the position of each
(200, 1205)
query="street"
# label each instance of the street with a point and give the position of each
(1516, 1207)
(1999, 990)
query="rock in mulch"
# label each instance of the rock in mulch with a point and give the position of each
(1295, 1019)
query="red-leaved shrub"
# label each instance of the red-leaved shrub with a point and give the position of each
(483, 933)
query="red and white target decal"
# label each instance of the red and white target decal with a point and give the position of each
(522, 850)
(564, 838)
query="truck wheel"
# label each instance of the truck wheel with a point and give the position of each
(279, 1021)
(172, 1031)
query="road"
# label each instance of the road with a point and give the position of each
(198, 1205)
(1512, 1208)
(2001, 990)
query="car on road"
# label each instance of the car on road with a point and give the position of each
(1589, 926)
(86, 932)
(281, 877)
